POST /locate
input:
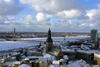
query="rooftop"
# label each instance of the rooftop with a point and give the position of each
(87, 51)
(97, 54)
(68, 50)
(24, 65)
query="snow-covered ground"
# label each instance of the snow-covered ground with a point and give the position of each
(6, 45)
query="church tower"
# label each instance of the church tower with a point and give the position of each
(49, 42)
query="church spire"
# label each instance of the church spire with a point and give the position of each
(49, 33)
(49, 39)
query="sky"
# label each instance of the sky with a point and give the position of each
(58, 15)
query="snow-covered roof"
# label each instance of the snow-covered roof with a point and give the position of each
(74, 46)
(54, 65)
(57, 65)
(17, 62)
(13, 57)
(95, 66)
(65, 57)
(74, 65)
(79, 63)
(86, 51)
(68, 50)
(32, 57)
(42, 47)
(32, 51)
(15, 53)
(56, 62)
(85, 42)
(23, 56)
(64, 47)
(47, 55)
(13, 63)
(62, 60)
(31, 47)
(64, 43)
(82, 62)
(26, 59)
(24, 65)
(9, 63)
(70, 62)
(47, 58)
(97, 54)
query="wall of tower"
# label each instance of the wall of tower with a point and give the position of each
(49, 46)
(96, 46)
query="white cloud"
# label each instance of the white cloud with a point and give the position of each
(7, 21)
(63, 9)
(57, 11)
(30, 17)
(10, 18)
(7, 0)
(99, 5)
(9, 7)
(92, 25)
(42, 17)
(53, 5)
(93, 15)
(71, 14)
(30, 25)
(6, 18)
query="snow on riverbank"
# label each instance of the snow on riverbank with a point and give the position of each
(6, 45)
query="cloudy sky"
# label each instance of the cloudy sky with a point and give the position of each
(40, 15)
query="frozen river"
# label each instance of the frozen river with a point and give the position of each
(71, 38)
(25, 42)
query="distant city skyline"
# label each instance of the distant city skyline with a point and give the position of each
(58, 15)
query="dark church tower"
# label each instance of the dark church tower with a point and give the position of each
(49, 42)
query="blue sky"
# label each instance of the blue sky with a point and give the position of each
(59, 15)
(91, 4)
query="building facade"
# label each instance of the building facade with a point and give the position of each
(96, 46)
(86, 55)
(97, 57)
(93, 35)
